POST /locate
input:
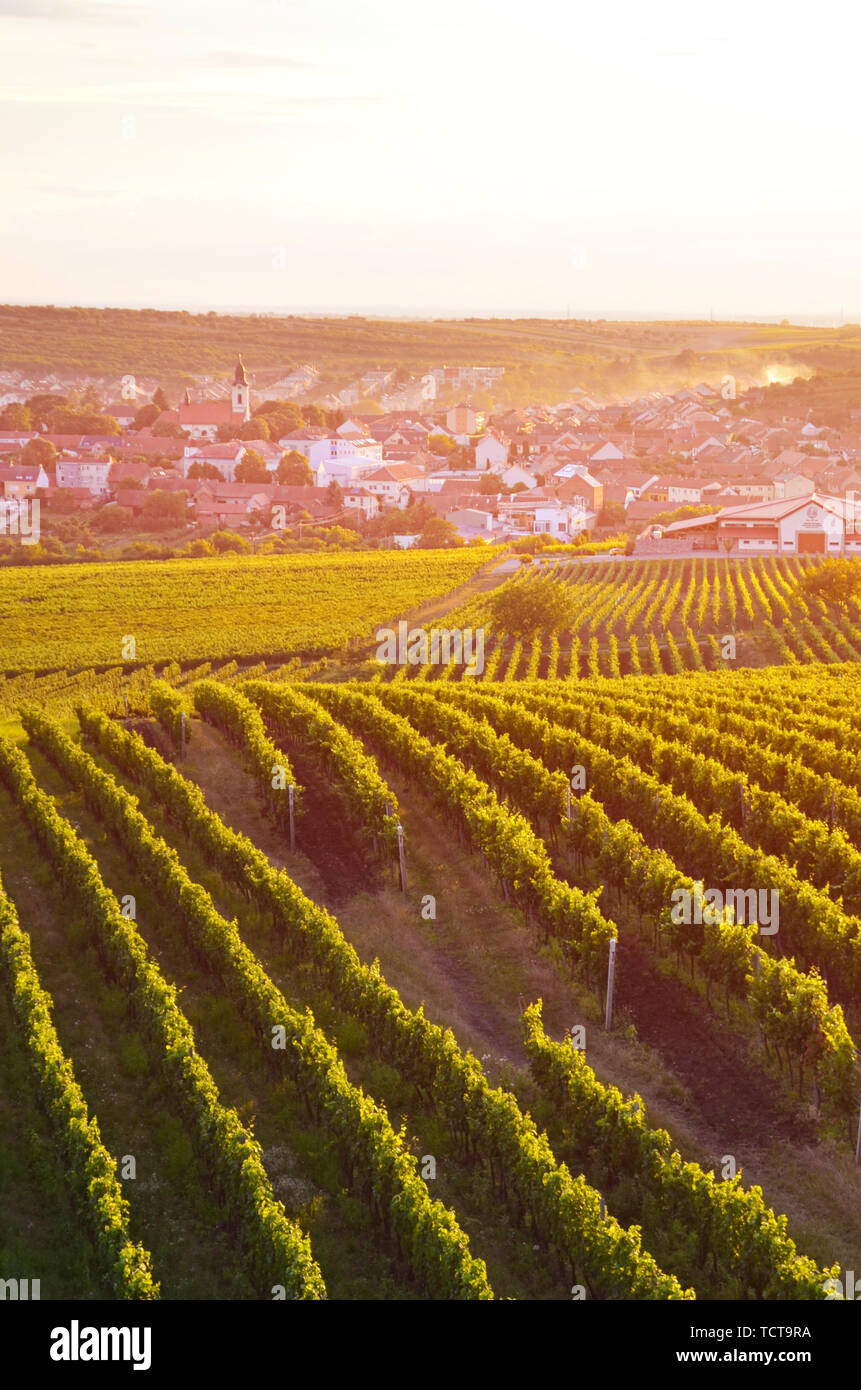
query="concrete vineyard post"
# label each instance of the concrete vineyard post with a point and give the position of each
(611, 981)
(402, 859)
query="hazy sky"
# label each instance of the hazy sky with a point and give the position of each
(456, 156)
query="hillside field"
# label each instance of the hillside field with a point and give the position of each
(543, 358)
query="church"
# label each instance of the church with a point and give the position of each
(201, 419)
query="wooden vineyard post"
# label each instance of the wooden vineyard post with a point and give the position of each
(290, 803)
(126, 703)
(568, 800)
(182, 736)
(611, 980)
(858, 1141)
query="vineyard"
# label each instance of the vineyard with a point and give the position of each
(305, 980)
(315, 1119)
(650, 617)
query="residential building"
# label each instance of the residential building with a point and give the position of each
(358, 499)
(23, 479)
(462, 420)
(491, 452)
(90, 473)
(393, 483)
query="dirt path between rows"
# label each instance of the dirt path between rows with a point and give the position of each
(733, 1097)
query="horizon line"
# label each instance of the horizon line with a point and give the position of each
(426, 314)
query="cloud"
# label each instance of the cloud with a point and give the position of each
(77, 11)
(228, 59)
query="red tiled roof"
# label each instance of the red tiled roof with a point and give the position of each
(19, 473)
(217, 451)
(205, 413)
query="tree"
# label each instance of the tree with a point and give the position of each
(64, 421)
(113, 518)
(145, 550)
(167, 429)
(63, 502)
(42, 407)
(160, 399)
(612, 514)
(254, 429)
(225, 541)
(441, 444)
(252, 468)
(334, 493)
(314, 415)
(205, 470)
(439, 533)
(40, 452)
(16, 417)
(490, 483)
(409, 521)
(283, 416)
(147, 415)
(836, 580)
(540, 606)
(294, 470)
(163, 511)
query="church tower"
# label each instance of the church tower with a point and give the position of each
(240, 400)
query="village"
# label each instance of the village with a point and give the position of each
(666, 473)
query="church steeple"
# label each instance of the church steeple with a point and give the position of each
(239, 395)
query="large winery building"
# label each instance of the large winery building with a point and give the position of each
(811, 525)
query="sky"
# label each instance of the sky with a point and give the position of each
(453, 157)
